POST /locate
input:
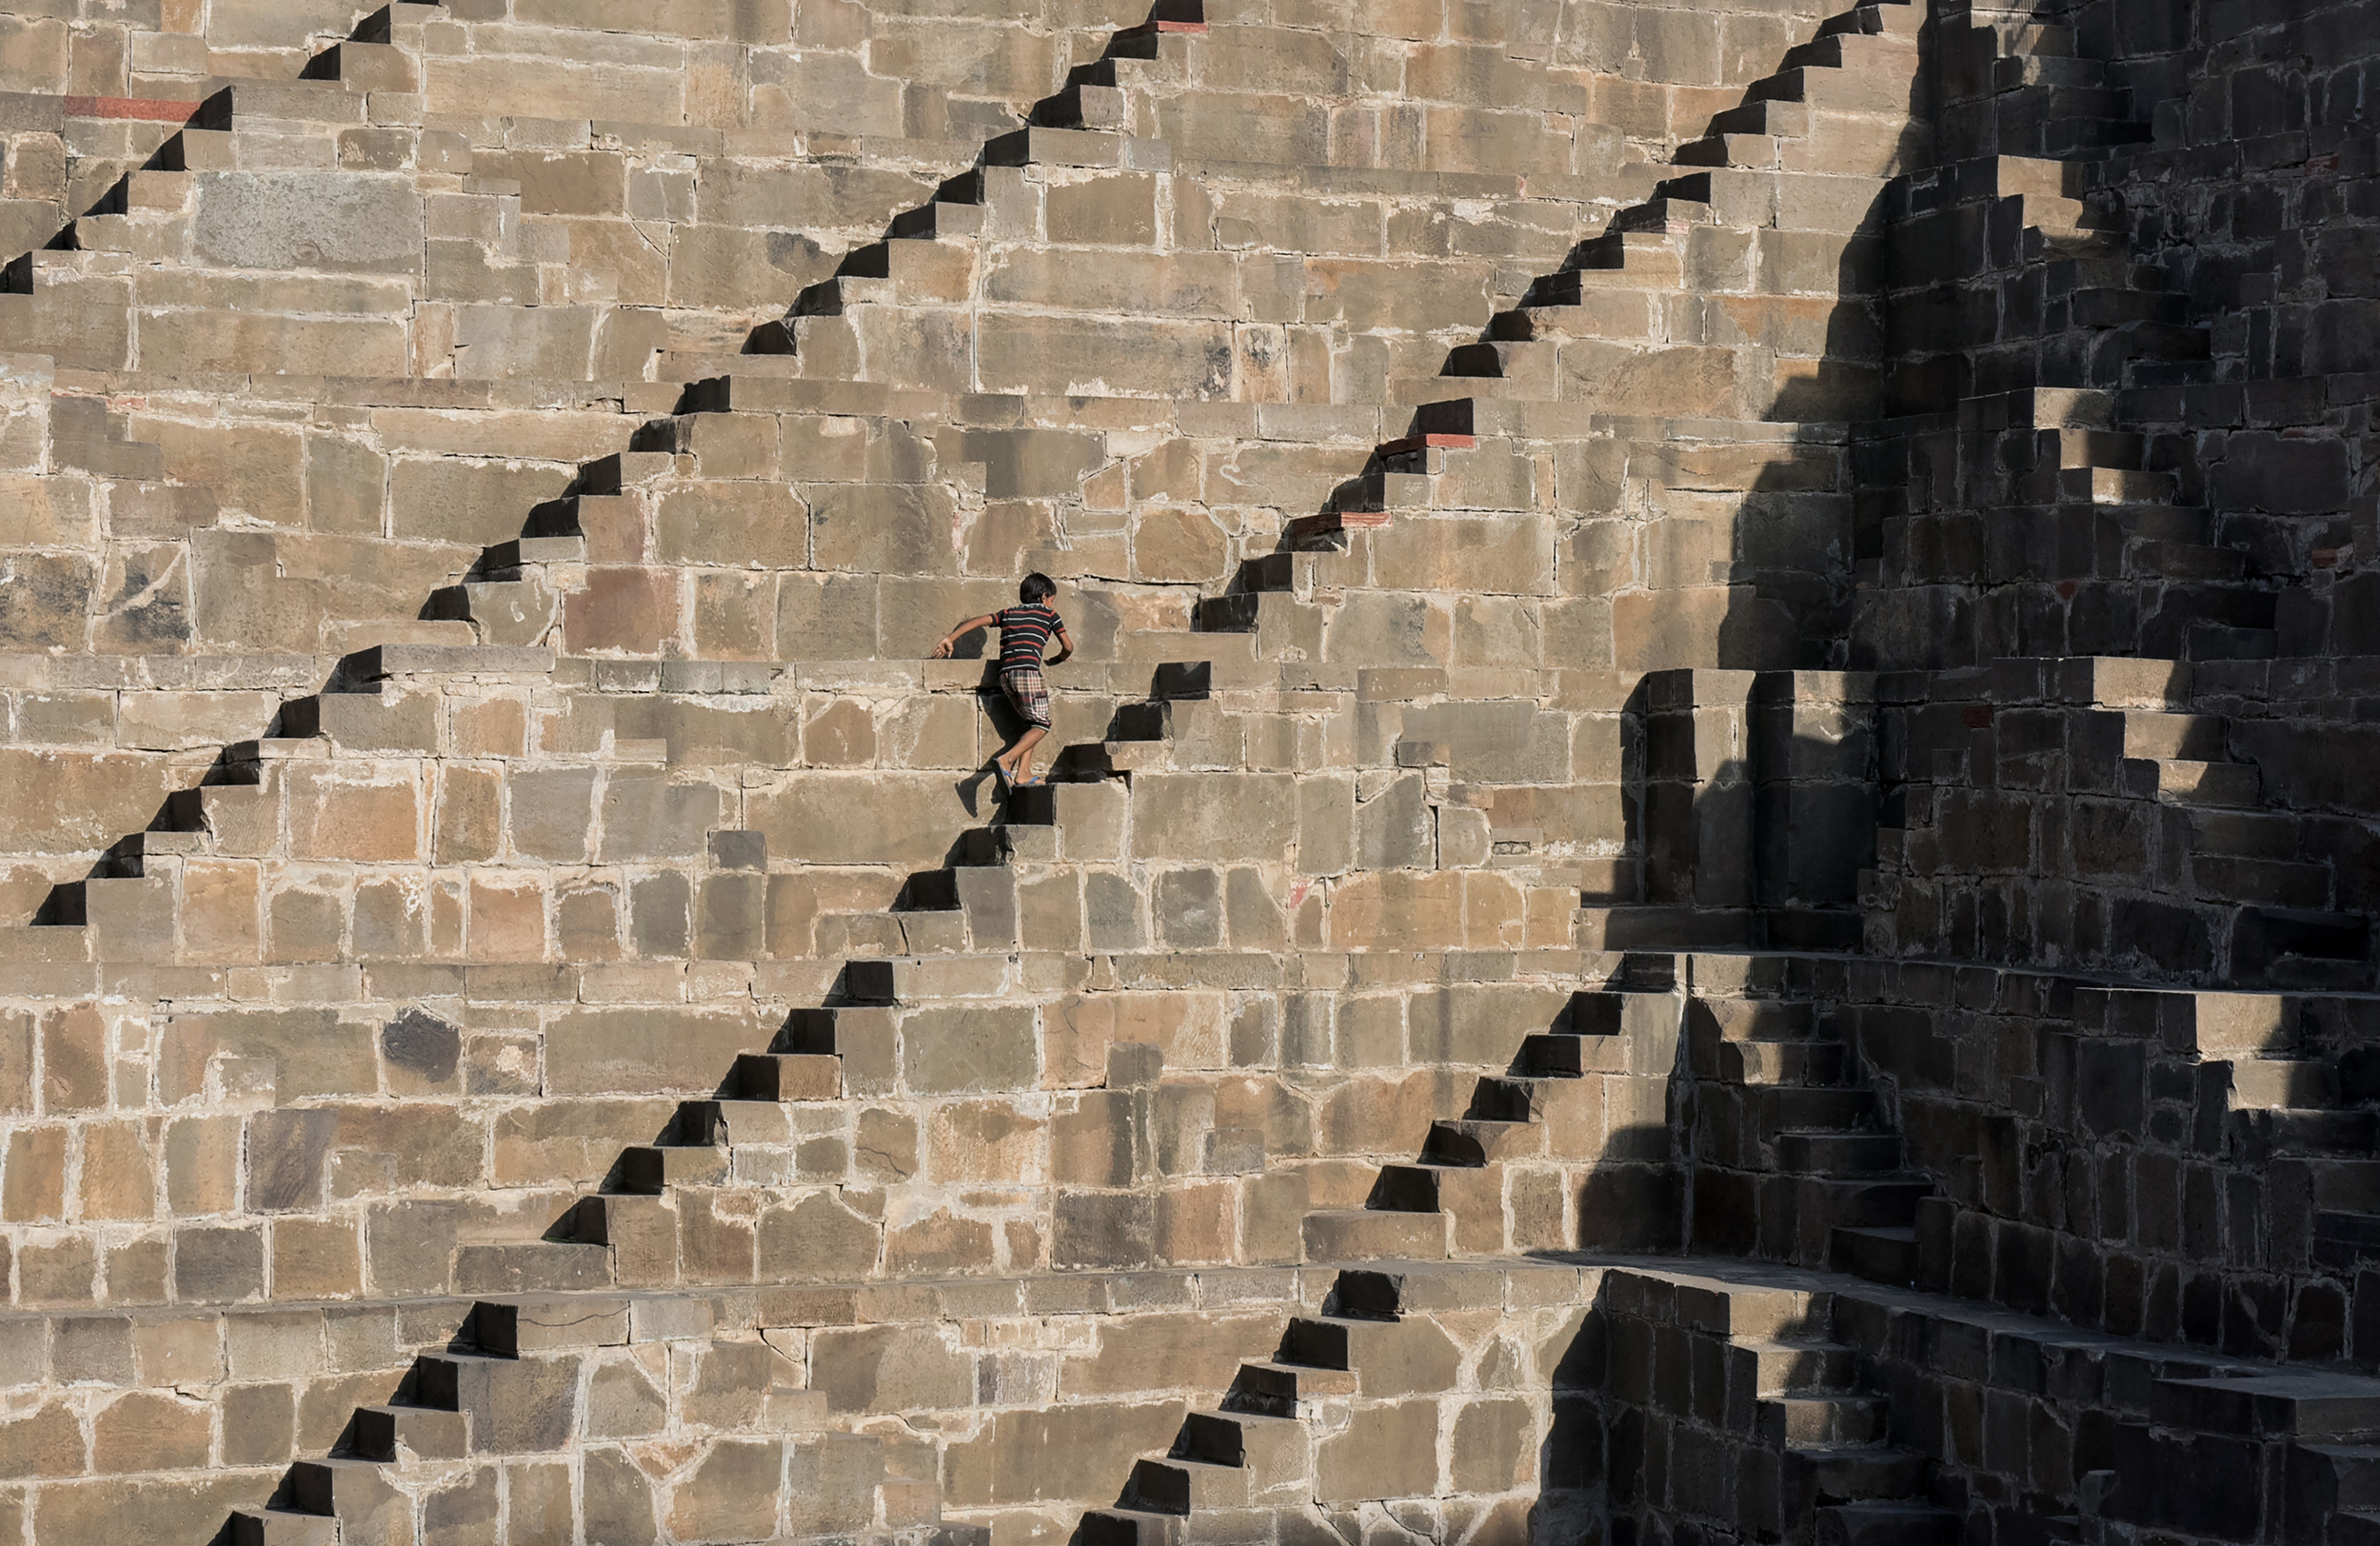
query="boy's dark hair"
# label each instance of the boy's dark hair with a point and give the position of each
(1037, 587)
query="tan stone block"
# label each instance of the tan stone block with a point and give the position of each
(631, 611)
(470, 804)
(1049, 917)
(334, 814)
(621, 1052)
(495, 727)
(552, 813)
(1384, 1449)
(182, 1350)
(17, 1059)
(219, 914)
(1022, 1456)
(879, 818)
(45, 1441)
(74, 1060)
(587, 923)
(1177, 545)
(58, 1275)
(983, 1141)
(150, 1431)
(1212, 816)
(203, 1165)
(117, 1170)
(735, 524)
(33, 1189)
(305, 924)
(827, 617)
(940, 1244)
(569, 1141)
(883, 528)
(735, 616)
(1195, 1224)
(839, 733)
(818, 1239)
(507, 916)
(1397, 911)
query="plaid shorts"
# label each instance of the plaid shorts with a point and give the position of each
(1028, 692)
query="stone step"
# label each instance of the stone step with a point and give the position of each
(730, 1123)
(2190, 737)
(1766, 116)
(538, 1323)
(1529, 365)
(1083, 104)
(2345, 1239)
(2245, 834)
(2354, 1527)
(2102, 485)
(1864, 1203)
(1569, 1057)
(532, 1266)
(2281, 883)
(1880, 1254)
(1875, 90)
(1519, 1099)
(1470, 1141)
(2275, 1083)
(2174, 780)
(1758, 1020)
(1272, 1450)
(1274, 1388)
(1622, 259)
(1791, 1107)
(1819, 1064)
(1888, 1523)
(1824, 1420)
(649, 1169)
(1814, 1476)
(1366, 1235)
(1764, 198)
(937, 220)
(2220, 642)
(1131, 1527)
(1899, 18)
(783, 1075)
(2302, 1132)
(1430, 1188)
(926, 979)
(1664, 214)
(1838, 1154)
(283, 1526)
(2108, 306)
(1728, 151)
(925, 932)
(1042, 147)
(1780, 1369)
(428, 1432)
(2185, 561)
(339, 1487)
(516, 1406)
(1184, 1486)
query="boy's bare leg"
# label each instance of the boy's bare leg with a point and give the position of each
(1019, 757)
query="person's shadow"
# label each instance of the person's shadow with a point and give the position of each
(969, 646)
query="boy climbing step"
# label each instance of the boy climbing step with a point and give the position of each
(1026, 630)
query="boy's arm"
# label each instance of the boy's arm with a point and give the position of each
(1066, 646)
(942, 651)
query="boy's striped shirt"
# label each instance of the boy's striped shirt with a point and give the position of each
(1024, 632)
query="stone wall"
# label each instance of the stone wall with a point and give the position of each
(1721, 631)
